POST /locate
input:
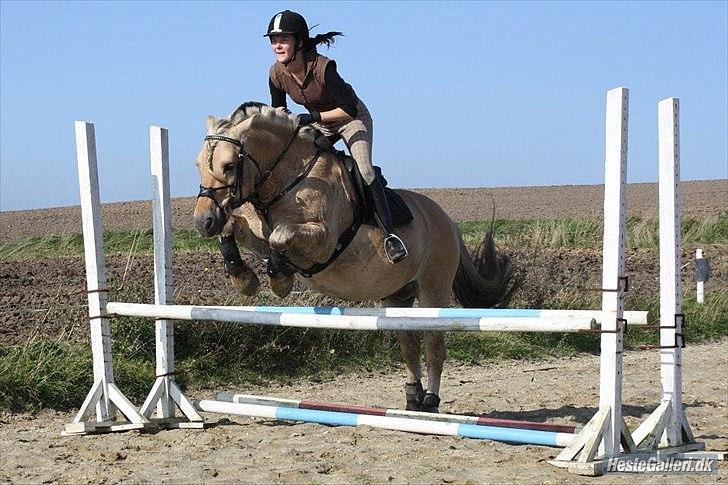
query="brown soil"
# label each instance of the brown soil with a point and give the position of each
(699, 199)
(47, 298)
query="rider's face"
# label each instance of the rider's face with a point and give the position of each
(283, 45)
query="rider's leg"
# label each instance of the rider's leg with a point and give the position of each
(357, 135)
(393, 245)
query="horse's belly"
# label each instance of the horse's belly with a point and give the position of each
(362, 272)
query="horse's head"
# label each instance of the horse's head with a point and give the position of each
(236, 159)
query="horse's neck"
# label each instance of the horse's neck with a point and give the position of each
(288, 169)
(327, 181)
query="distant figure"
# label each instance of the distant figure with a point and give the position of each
(311, 80)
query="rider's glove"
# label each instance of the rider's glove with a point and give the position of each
(308, 118)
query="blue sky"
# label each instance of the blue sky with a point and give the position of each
(463, 94)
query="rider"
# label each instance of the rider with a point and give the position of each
(311, 80)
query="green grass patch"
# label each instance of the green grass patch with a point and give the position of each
(115, 242)
(547, 233)
(56, 374)
(588, 233)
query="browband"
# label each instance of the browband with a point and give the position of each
(224, 138)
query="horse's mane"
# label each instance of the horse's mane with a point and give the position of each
(271, 119)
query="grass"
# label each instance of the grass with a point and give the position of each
(115, 242)
(586, 233)
(52, 373)
(549, 233)
(57, 373)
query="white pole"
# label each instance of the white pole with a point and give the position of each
(699, 285)
(104, 398)
(163, 287)
(93, 244)
(671, 322)
(615, 201)
(352, 322)
(165, 392)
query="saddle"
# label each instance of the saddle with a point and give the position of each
(401, 214)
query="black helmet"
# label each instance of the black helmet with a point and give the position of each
(287, 22)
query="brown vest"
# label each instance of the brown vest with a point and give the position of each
(312, 94)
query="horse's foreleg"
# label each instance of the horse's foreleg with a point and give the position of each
(435, 352)
(242, 277)
(409, 343)
(308, 240)
(437, 296)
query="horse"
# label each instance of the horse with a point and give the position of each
(268, 183)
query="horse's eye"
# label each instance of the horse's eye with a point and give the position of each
(228, 167)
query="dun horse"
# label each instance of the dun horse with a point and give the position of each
(268, 183)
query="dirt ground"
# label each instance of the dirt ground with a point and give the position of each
(47, 298)
(699, 199)
(250, 450)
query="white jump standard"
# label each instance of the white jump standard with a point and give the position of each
(665, 432)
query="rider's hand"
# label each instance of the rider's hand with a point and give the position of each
(308, 118)
(284, 109)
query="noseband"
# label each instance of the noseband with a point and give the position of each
(233, 199)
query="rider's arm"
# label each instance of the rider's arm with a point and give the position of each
(277, 96)
(346, 111)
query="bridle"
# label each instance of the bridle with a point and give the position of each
(233, 199)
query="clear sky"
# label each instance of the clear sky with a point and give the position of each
(463, 94)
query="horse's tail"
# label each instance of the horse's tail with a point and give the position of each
(485, 279)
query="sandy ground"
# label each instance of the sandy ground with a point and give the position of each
(247, 450)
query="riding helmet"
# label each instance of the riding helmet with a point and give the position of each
(288, 22)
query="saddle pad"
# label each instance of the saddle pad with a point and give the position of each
(401, 214)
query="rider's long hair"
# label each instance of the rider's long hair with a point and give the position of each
(327, 39)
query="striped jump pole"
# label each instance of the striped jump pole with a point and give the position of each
(353, 322)
(633, 317)
(379, 411)
(335, 418)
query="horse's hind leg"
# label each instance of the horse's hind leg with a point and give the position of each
(409, 343)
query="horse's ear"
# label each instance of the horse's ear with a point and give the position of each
(211, 123)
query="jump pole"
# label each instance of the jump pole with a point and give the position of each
(603, 432)
(379, 411)
(510, 435)
(634, 317)
(352, 322)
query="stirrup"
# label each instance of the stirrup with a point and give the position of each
(395, 249)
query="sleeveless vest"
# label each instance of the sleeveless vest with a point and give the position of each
(312, 94)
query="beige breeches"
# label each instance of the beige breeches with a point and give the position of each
(357, 135)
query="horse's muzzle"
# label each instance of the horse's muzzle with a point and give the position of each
(209, 223)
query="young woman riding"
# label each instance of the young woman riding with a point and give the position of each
(311, 80)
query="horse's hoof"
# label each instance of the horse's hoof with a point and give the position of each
(414, 394)
(281, 285)
(431, 403)
(246, 282)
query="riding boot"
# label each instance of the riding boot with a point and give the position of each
(393, 245)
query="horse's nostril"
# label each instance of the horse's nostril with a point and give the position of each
(208, 223)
